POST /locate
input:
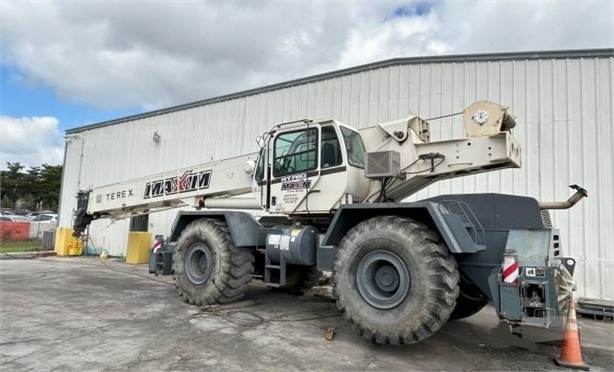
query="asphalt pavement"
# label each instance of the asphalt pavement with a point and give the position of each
(75, 314)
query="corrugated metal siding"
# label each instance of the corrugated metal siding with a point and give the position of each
(563, 109)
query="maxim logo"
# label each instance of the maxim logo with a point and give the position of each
(189, 181)
(295, 182)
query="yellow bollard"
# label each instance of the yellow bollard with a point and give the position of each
(66, 244)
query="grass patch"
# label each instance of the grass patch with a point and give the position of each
(21, 246)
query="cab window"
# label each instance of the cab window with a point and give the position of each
(259, 173)
(331, 150)
(295, 152)
(354, 146)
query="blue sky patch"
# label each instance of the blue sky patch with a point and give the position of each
(416, 9)
(20, 98)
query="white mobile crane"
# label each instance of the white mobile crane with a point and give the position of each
(401, 270)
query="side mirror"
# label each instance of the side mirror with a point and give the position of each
(249, 167)
(260, 141)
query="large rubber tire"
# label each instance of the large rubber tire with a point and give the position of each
(300, 278)
(470, 300)
(394, 280)
(209, 269)
(309, 277)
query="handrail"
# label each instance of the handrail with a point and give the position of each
(464, 210)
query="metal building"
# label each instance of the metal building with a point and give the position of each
(563, 102)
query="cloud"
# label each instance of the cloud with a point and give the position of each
(31, 141)
(504, 26)
(401, 36)
(156, 54)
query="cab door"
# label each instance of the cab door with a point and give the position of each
(262, 173)
(294, 168)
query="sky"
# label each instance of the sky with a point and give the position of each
(66, 64)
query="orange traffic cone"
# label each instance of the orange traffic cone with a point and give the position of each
(571, 355)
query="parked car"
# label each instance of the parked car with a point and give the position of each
(45, 218)
(13, 218)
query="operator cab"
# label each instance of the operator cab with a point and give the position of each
(310, 167)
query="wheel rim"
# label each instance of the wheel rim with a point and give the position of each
(198, 263)
(382, 279)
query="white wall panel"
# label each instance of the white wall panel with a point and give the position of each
(563, 108)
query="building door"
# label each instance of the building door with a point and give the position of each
(139, 223)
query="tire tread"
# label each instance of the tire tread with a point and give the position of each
(443, 280)
(233, 275)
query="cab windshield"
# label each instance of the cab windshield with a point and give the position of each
(295, 152)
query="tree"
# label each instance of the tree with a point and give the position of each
(49, 182)
(37, 184)
(31, 186)
(11, 183)
(6, 202)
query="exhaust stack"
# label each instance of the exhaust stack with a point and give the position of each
(580, 193)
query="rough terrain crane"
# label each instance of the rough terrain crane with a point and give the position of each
(332, 200)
